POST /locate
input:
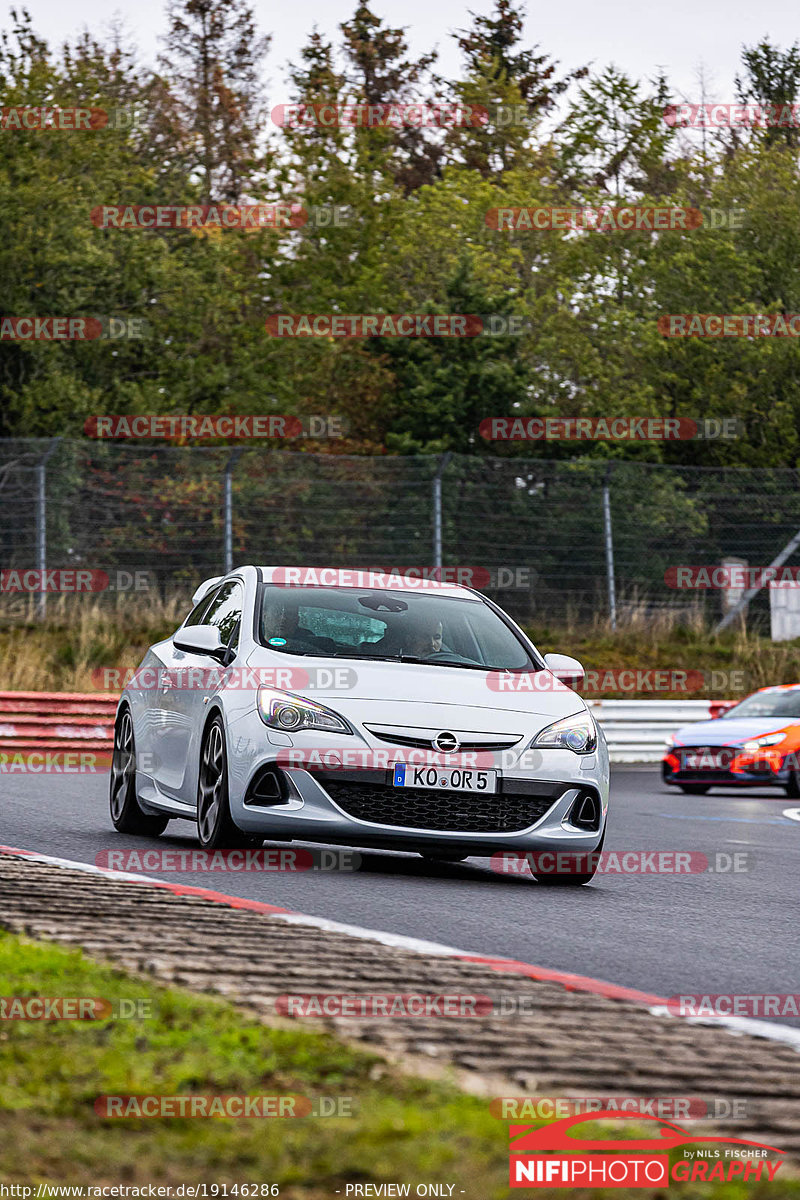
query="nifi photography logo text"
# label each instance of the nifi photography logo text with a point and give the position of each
(562, 1155)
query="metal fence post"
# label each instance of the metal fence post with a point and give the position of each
(41, 524)
(778, 561)
(609, 540)
(437, 508)
(228, 513)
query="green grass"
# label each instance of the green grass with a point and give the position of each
(402, 1129)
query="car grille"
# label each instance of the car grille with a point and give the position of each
(725, 753)
(454, 812)
(422, 743)
(709, 749)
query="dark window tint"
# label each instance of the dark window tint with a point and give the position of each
(226, 612)
(195, 617)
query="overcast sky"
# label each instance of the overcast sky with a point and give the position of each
(639, 38)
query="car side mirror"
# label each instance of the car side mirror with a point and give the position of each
(200, 639)
(567, 669)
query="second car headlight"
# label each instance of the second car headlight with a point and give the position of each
(578, 734)
(287, 712)
(769, 739)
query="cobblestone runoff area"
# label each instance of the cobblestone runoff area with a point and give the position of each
(551, 1041)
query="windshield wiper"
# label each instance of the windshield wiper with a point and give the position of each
(425, 662)
(372, 657)
(467, 666)
(441, 663)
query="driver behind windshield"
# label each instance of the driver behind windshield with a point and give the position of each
(424, 640)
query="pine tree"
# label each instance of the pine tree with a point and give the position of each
(212, 62)
(772, 79)
(514, 87)
(378, 71)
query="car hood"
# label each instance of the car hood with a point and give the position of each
(729, 731)
(403, 687)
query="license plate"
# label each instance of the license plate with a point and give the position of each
(451, 779)
(705, 762)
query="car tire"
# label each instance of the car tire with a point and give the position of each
(216, 829)
(126, 814)
(792, 787)
(572, 879)
(694, 789)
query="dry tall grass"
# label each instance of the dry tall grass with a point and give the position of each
(79, 636)
(82, 635)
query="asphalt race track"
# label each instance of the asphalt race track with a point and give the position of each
(664, 934)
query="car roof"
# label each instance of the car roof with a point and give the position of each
(365, 577)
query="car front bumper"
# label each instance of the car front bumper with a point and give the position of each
(531, 810)
(737, 770)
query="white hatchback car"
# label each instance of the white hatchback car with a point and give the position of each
(358, 709)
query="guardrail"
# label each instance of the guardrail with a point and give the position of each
(56, 720)
(636, 730)
(38, 720)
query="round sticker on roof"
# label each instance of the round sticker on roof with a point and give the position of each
(277, 641)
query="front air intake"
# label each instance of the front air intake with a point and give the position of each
(268, 787)
(585, 812)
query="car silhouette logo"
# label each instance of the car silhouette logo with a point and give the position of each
(558, 1136)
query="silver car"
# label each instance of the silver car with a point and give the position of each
(352, 708)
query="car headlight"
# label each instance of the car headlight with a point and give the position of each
(578, 733)
(287, 712)
(769, 739)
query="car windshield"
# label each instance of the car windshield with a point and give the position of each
(444, 631)
(768, 704)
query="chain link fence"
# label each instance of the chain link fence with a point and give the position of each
(537, 531)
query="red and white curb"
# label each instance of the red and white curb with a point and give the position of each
(656, 1005)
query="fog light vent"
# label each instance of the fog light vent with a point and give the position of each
(268, 787)
(585, 812)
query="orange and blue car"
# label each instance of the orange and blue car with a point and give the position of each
(755, 743)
